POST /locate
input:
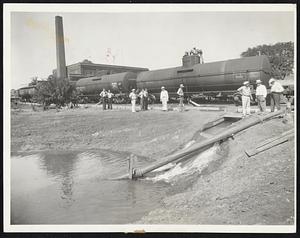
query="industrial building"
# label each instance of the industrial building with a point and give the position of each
(87, 68)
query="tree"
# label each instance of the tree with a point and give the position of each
(57, 91)
(34, 81)
(281, 57)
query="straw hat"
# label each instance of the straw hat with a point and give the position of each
(258, 81)
(181, 85)
(246, 83)
(133, 90)
(162, 87)
(271, 80)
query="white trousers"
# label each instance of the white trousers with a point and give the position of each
(164, 105)
(246, 105)
(133, 105)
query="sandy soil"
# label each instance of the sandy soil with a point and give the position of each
(150, 133)
(239, 190)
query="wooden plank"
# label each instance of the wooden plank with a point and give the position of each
(270, 145)
(130, 169)
(265, 142)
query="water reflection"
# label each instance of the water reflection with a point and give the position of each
(74, 188)
(61, 167)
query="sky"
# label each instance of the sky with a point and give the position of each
(154, 40)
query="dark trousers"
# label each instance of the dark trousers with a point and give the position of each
(104, 103)
(275, 101)
(109, 101)
(146, 103)
(142, 103)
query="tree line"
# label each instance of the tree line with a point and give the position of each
(281, 57)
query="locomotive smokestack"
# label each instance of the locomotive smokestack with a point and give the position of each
(60, 48)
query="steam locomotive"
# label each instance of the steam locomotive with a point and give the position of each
(210, 80)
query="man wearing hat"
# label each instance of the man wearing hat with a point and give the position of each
(133, 97)
(246, 97)
(164, 98)
(181, 97)
(276, 91)
(103, 96)
(261, 94)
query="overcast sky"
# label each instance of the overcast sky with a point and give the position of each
(152, 40)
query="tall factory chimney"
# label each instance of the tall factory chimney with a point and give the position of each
(60, 48)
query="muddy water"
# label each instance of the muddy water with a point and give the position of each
(75, 188)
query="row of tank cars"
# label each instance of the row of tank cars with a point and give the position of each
(210, 81)
(216, 81)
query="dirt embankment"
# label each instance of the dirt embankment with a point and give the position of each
(151, 133)
(242, 190)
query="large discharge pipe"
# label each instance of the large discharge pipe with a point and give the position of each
(193, 150)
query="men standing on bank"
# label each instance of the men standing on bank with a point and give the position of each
(103, 96)
(276, 91)
(261, 94)
(246, 97)
(145, 99)
(133, 97)
(164, 98)
(141, 96)
(181, 97)
(109, 99)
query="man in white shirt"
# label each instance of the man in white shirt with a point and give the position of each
(246, 97)
(180, 93)
(164, 98)
(109, 99)
(276, 91)
(133, 97)
(261, 94)
(103, 96)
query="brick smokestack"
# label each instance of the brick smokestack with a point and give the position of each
(60, 48)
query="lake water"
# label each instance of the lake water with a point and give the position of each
(77, 187)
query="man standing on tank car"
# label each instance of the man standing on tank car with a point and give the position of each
(164, 98)
(180, 93)
(246, 97)
(261, 94)
(276, 92)
(103, 96)
(146, 99)
(109, 99)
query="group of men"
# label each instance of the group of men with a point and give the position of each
(245, 90)
(261, 94)
(106, 98)
(144, 98)
(164, 98)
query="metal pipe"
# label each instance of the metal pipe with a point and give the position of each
(194, 149)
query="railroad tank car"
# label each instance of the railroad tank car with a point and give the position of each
(26, 93)
(222, 76)
(116, 83)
